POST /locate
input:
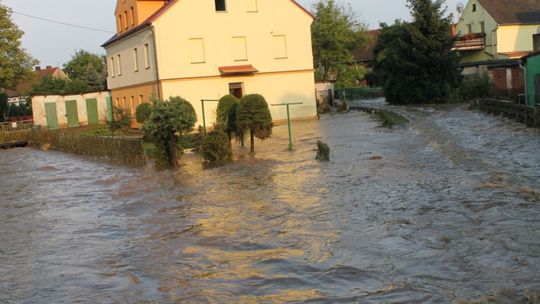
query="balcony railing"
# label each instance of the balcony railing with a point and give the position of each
(471, 42)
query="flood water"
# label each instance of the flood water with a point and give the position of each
(445, 208)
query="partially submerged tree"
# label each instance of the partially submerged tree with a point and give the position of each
(415, 61)
(336, 33)
(167, 121)
(15, 63)
(254, 116)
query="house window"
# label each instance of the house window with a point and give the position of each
(126, 20)
(146, 56)
(140, 99)
(279, 44)
(117, 102)
(474, 7)
(136, 59)
(482, 27)
(239, 49)
(196, 50)
(120, 23)
(124, 103)
(220, 6)
(119, 64)
(469, 28)
(132, 105)
(132, 11)
(111, 67)
(252, 6)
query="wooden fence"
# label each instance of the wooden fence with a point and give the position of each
(521, 113)
(119, 150)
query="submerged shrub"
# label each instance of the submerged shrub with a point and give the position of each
(216, 146)
(168, 120)
(323, 151)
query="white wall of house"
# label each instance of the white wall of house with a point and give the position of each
(38, 108)
(124, 68)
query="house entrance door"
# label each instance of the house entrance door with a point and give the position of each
(236, 89)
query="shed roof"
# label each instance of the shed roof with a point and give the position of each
(513, 11)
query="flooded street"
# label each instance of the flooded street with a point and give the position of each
(444, 208)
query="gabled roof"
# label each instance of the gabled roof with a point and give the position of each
(160, 12)
(513, 11)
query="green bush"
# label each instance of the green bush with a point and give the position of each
(226, 113)
(472, 89)
(216, 146)
(167, 119)
(143, 112)
(253, 115)
(120, 120)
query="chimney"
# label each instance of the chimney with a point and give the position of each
(49, 67)
(38, 68)
(536, 42)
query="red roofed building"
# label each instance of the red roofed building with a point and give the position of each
(20, 93)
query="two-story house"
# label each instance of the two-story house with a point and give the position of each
(497, 29)
(205, 49)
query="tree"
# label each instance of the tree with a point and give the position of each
(88, 68)
(57, 86)
(15, 63)
(415, 61)
(226, 114)
(3, 106)
(336, 33)
(143, 112)
(253, 115)
(167, 119)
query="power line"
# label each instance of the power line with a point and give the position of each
(64, 23)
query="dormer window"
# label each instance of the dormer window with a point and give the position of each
(220, 6)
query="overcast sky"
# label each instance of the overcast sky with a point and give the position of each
(53, 44)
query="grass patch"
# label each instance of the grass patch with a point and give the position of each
(389, 119)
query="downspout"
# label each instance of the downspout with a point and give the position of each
(156, 63)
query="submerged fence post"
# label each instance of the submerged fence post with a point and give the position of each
(288, 118)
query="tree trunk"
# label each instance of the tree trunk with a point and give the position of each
(173, 151)
(251, 135)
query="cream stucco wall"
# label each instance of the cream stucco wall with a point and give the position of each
(125, 48)
(514, 38)
(275, 87)
(190, 19)
(38, 107)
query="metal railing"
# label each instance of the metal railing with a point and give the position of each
(16, 126)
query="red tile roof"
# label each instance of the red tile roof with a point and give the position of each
(24, 86)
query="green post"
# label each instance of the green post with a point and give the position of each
(288, 119)
(203, 116)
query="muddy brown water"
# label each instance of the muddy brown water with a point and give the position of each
(445, 208)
